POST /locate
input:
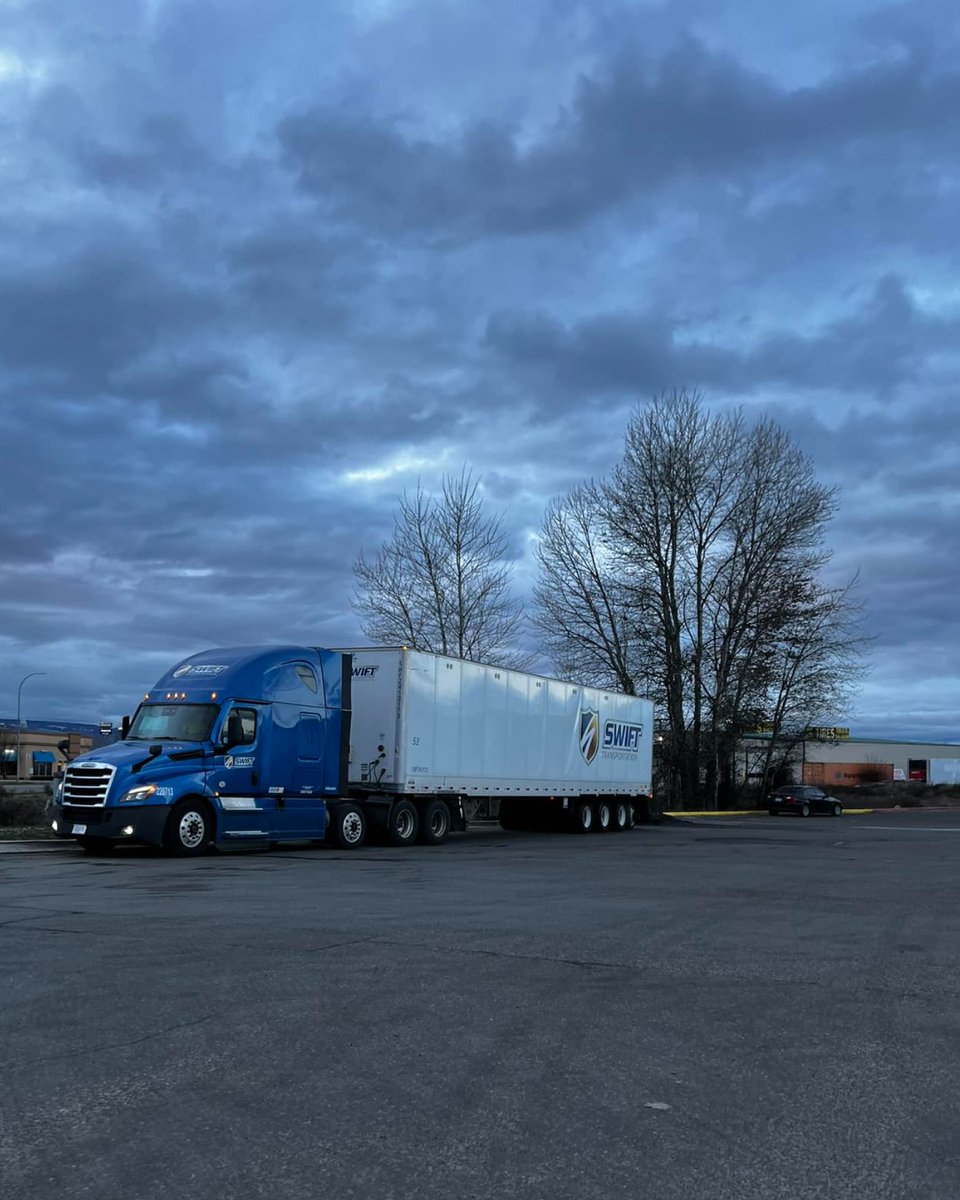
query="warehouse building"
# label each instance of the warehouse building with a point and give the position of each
(869, 760)
(829, 757)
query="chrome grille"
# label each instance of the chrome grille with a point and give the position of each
(87, 783)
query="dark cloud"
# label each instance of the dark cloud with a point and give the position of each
(639, 126)
(258, 275)
(884, 345)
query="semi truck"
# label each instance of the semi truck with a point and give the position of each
(255, 746)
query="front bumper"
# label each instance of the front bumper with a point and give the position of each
(147, 821)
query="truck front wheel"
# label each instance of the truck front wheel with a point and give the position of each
(349, 826)
(436, 823)
(189, 829)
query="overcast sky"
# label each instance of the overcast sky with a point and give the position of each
(264, 265)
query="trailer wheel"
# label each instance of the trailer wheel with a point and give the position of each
(604, 816)
(402, 824)
(584, 816)
(349, 826)
(189, 829)
(436, 823)
(621, 816)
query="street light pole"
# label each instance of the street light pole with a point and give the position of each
(19, 690)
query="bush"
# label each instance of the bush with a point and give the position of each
(23, 808)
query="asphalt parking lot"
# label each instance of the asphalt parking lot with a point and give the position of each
(747, 1007)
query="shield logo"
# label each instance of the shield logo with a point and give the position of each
(589, 733)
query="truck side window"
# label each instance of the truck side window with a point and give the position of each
(289, 681)
(242, 723)
(307, 677)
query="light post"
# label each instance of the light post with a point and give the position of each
(19, 690)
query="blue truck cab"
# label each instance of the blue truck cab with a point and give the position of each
(232, 747)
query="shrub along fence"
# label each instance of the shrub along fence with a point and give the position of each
(24, 805)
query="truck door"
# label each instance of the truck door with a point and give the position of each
(237, 773)
(300, 810)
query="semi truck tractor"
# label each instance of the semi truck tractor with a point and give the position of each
(253, 746)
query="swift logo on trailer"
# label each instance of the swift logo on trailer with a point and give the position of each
(621, 735)
(589, 734)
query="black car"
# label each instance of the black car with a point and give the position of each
(802, 800)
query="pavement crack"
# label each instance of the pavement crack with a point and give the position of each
(100, 1046)
(338, 945)
(589, 964)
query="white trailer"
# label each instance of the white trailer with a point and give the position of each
(425, 725)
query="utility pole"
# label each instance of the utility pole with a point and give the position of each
(19, 690)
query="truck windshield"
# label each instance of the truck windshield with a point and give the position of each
(173, 722)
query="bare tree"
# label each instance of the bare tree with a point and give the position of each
(442, 581)
(582, 608)
(811, 670)
(700, 537)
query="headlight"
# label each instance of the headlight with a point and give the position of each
(138, 794)
(58, 790)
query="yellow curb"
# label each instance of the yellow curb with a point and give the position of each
(751, 812)
(747, 812)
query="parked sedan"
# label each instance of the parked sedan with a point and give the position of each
(802, 800)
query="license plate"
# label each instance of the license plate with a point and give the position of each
(79, 829)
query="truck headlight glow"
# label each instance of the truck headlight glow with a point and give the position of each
(138, 794)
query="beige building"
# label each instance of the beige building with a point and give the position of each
(44, 749)
(870, 760)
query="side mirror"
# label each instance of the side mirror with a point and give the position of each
(124, 727)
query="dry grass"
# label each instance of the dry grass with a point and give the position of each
(26, 833)
(906, 795)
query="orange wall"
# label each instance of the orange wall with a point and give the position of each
(825, 774)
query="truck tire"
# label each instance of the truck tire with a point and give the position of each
(621, 816)
(584, 817)
(189, 829)
(349, 826)
(604, 815)
(435, 824)
(402, 824)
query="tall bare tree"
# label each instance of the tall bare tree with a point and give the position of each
(582, 608)
(442, 581)
(700, 537)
